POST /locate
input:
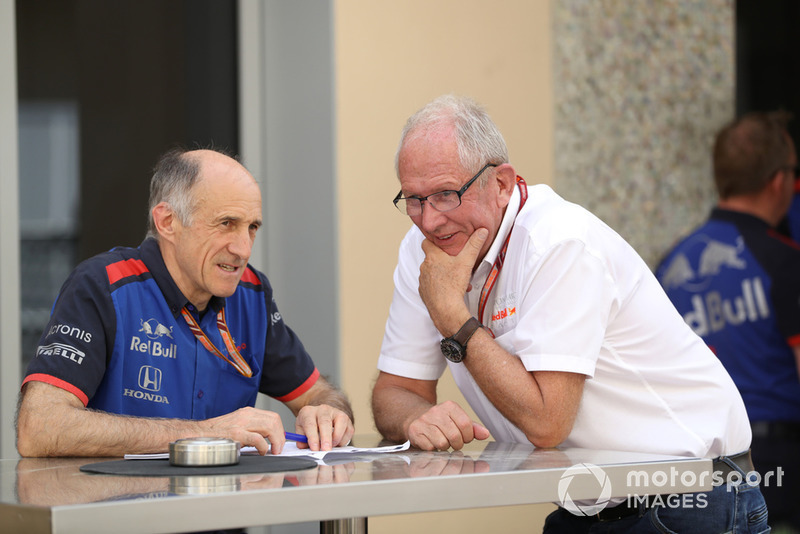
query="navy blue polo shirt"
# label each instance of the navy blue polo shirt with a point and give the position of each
(736, 281)
(117, 340)
(793, 217)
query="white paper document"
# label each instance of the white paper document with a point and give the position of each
(291, 449)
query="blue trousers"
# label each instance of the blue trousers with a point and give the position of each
(738, 509)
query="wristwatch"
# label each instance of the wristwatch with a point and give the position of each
(454, 347)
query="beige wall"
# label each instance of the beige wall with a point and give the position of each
(391, 58)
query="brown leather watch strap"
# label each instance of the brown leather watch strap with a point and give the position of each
(466, 331)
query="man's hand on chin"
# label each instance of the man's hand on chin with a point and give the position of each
(445, 279)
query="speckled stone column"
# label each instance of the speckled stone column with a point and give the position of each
(641, 87)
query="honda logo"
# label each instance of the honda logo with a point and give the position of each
(150, 378)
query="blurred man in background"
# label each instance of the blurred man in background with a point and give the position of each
(736, 281)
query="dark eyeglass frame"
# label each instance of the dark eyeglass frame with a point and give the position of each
(459, 193)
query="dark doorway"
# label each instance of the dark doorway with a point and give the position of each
(104, 89)
(767, 69)
(146, 75)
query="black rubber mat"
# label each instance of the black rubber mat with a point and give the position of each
(162, 468)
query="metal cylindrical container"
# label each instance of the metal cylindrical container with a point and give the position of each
(189, 452)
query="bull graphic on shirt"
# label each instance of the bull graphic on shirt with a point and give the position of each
(154, 330)
(716, 255)
(678, 272)
(712, 258)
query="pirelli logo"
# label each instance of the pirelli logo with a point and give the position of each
(60, 349)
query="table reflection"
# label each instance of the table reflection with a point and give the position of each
(53, 495)
(426, 464)
(59, 481)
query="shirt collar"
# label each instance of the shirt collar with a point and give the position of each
(738, 216)
(505, 227)
(151, 256)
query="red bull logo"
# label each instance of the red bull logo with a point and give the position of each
(679, 272)
(154, 348)
(154, 330)
(714, 256)
(717, 255)
(711, 313)
(505, 312)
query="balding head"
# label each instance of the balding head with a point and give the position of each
(177, 172)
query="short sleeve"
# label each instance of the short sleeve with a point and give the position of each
(288, 368)
(73, 350)
(565, 310)
(410, 345)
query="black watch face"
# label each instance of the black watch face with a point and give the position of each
(452, 350)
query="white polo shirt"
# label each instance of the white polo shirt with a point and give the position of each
(574, 296)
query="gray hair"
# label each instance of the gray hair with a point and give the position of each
(478, 140)
(174, 176)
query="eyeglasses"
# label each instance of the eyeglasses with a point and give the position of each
(441, 201)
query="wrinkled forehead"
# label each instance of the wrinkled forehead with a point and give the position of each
(224, 183)
(427, 148)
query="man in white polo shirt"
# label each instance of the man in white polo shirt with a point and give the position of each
(555, 330)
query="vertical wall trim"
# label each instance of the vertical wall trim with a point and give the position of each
(10, 357)
(287, 141)
(251, 102)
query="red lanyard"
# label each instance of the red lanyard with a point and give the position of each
(498, 263)
(235, 359)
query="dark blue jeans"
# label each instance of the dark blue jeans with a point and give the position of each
(738, 509)
(771, 454)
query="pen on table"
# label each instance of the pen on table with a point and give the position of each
(296, 437)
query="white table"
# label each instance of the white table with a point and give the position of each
(54, 496)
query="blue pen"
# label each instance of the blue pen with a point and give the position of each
(296, 437)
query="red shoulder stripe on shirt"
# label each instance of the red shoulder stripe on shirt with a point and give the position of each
(780, 237)
(794, 341)
(123, 269)
(57, 382)
(305, 386)
(250, 277)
